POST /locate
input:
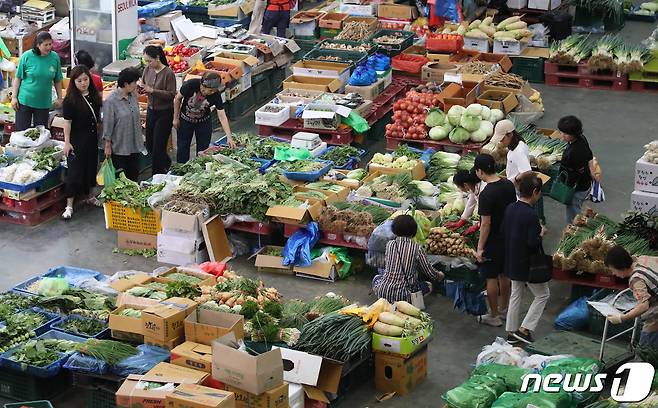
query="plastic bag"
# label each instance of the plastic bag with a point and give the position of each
(291, 154)
(52, 286)
(171, 183)
(573, 366)
(147, 358)
(19, 139)
(513, 376)
(335, 256)
(156, 9)
(107, 174)
(574, 317)
(96, 286)
(501, 352)
(356, 122)
(537, 362)
(556, 400)
(527, 112)
(239, 244)
(85, 364)
(381, 235)
(480, 391)
(297, 250)
(510, 400)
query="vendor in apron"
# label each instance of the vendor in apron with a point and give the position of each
(643, 281)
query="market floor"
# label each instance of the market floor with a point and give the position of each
(617, 125)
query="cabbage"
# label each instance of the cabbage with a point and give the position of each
(447, 127)
(438, 133)
(364, 191)
(459, 135)
(486, 113)
(496, 115)
(455, 114)
(487, 128)
(474, 109)
(478, 136)
(470, 123)
(435, 117)
(357, 174)
(379, 158)
(425, 187)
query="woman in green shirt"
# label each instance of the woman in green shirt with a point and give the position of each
(38, 70)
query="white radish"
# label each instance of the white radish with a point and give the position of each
(390, 318)
(387, 329)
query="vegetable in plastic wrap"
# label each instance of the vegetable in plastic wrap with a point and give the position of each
(52, 286)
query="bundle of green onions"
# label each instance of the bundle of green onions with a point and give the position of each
(631, 58)
(603, 57)
(563, 51)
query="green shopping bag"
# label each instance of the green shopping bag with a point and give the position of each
(106, 175)
(561, 191)
(356, 122)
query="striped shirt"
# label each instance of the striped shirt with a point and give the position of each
(405, 259)
(644, 284)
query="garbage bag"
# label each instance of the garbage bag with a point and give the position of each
(147, 358)
(574, 317)
(85, 364)
(513, 376)
(335, 255)
(501, 352)
(297, 250)
(480, 391)
(356, 122)
(107, 174)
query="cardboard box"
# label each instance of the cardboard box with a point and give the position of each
(295, 215)
(248, 61)
(644, 202)
(276, 398)
(403, 346)
(398, 374)
(455, 94)
(184, 224)
(206, 325)
(127, 337)
(271, 263)
(373, 23)
(193, 355)
(171, 256)
(500, 59)
(163, 322)
(61, 31)
(129, 396)
(263, 116)
(197, 396)
(185, 304)
(165, 344)
(321, 69)
(163, 22)
(418, 172)
(477, 44)
(358, 9)
(253, 374)
(505, 101)
(646, 176)
(310, 370)
(312, 83)
(544, 4)
(206, 278)
(397, 11)
(320, 119)
(369, 92)
(239, 10)
(126, 324)
(333, 20)
(178, 242)
(123, 284)
(434, 71)
(216, 239)
(509, 47)
(305, 23)
(319, 270)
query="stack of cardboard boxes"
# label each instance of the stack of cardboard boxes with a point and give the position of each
(181, 240)
(163, 24)
(645, 197)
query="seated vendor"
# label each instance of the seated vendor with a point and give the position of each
(643, 281)
(405, 260)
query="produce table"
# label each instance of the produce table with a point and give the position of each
(588, 279)
(327, 238)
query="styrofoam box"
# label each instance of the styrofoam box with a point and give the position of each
(517, 4)
(365, 10)
(646, 176)
(272, 118)
(644, 202)
(543, 4)
(476, 44)
(509, 47)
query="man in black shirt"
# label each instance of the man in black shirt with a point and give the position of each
(494, 199)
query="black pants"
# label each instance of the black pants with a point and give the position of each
(186, 130)
(128, 164)
(279, 19)
(27, 117)
(158, 130)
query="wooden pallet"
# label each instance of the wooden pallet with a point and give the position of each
(644, 86)
(578, 76)
(259, 228)
(438, 145)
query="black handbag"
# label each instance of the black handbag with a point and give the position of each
(540, 267)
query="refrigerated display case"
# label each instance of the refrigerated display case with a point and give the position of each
(103, 28)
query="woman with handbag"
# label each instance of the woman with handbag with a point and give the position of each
(525, 260)
(577, 169)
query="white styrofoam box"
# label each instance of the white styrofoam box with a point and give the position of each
(646, 176)
(476, 44)
(272, 118)
(544, 4)
(517, 4)
(366, 10)
(509, 47)
(319, 150)
(305, 140)
(644, 202)
(305, 29)
(61, 30)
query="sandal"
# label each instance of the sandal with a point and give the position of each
(68, 213)
(93, 201)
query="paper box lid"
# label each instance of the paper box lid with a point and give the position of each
(206, 325)
(216, 239)
(121, 285)
(297, 215)
(304, 66)
(309, 82)
(170, 373)
(183, 222)
(254, 374)
(306, 17)
(197, 396)
(191, 354)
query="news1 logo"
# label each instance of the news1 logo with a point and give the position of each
(636, 388)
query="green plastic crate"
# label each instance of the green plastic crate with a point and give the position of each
(373, 48)
(393, 49)
(378, 129)
(329, 32)
(22, 387)
(276, 81)
(100, 398)
(349, 57)
(241, 104)
(262, 89)
(530, 69)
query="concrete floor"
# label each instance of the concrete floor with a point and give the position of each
(617, 125)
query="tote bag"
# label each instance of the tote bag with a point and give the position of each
(561, 191)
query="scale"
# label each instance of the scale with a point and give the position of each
(306, 140)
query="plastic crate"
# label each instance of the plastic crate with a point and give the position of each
(100, 398)
(30, 404)
(24, 387)
(120, 218)
(329, 32)
(262, 89)
(103, 334)
(73, 276)
(309, 176)
(352, 163)
(433, 43)
(227, 22)
(241, 104)
(394, 49)
(349, 57)
(27, 187)
(276, 80)
(372, 48)
(50, 370)
(531, 69)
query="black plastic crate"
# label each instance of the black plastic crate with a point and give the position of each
(100, 398)
(23, 387)
(531, 69)
(276, 80)
(262, 89)
(237, 107)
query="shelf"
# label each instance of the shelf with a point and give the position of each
(84, 10)
(92, 42)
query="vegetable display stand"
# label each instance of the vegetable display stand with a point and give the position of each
(237, 107)
(530, 69)
(30, 404)
(577, 76)
(340, 136)
(120, 218)
(446, 145)
(328, 238)
(24, 387)
(589, 279)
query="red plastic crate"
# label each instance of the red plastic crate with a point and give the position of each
(260, 228)
(555, 68)
(35, 218)
(340, 136)
(644, 86)
(566, 80)
(37, 203)
(409, 62)
(57, 133)
(589, 279)
(433, 43)
(439, 145)
(8, 128)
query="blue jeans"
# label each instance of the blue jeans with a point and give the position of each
(186, 130)
(276, 18)
(649, 339)
(576, 205)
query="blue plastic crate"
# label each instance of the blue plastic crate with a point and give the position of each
(41, 372)
(195, 10)
(156, 9)
(351, 164)
(103, 334)
(21, 188)
(312, 176)
(425, 155)
(73, 276)
(227, 22)
(53, 318)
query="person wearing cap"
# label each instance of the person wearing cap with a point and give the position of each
(470, 184)
(192, 109)
(577, 162)
(518, 153)
(493, 202)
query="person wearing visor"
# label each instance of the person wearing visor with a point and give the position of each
(192, 108)
(518, 153)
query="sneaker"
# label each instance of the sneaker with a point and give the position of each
(526, 338)
(503, 314)
(68, 213)
(511, 339)
(490, 321)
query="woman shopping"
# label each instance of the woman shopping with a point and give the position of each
(577, 163)
(518, 153)
(192, 107)
(82, 112)
(523, 234)
(405, 261)
(32, 95)
(159, 83)
(122, 130)
(469, 183)
(82, 57)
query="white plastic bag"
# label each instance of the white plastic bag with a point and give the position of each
(537, 362)
(18, 138)
(501, 352)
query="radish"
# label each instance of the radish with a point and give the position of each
(392, 319)
(387, 329)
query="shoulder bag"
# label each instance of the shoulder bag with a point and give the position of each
(540, 267)
(560, 190)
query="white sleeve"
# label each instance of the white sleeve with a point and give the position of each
(471, 203)
(523, 160)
